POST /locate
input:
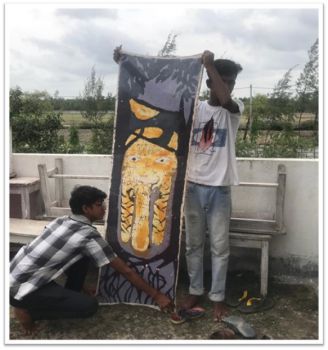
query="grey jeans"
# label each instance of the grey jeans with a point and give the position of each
(207, 209)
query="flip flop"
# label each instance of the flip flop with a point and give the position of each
(225, 333)
(253, 305)
(184, 315)
(240, 326)
(236, 300)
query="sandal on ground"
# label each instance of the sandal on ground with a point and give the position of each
(253, 305)
(225, 333)
(234, 300)
(184, 315)
(240, 326)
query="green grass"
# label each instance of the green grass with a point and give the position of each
(75, 117)
(307, 119)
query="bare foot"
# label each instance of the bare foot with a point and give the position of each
(25, 319)
(190, 301)
(220, 310)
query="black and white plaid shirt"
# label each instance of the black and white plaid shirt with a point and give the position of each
(63, 242)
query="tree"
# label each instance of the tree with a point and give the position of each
(275, 113)
(169, 46)
(37, 102)
(34, 124)
(307, 86)
(281, 107)
(73, 144)
(204, 95)
(95, 106)
(260, 107)
(110, 102)
(102, 138)
(92, 100)
(57, 102)
(16, 103)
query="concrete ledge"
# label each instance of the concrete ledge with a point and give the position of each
(24, 231)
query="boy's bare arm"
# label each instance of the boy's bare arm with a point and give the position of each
(218, 86)
(162, 300)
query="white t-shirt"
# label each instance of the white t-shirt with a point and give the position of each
(212, 156)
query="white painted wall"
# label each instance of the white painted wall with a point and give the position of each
(301, 203)
(80, 164)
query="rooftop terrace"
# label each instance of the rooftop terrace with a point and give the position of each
(293, 263)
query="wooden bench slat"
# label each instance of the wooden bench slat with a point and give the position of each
(243, 220)
(256, 226)
(73, 176)
(258, 184)
(25, 230)
(249, 236)
(51, 172)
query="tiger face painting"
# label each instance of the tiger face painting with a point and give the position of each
(148, 174)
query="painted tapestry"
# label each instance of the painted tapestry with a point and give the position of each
(154, 116)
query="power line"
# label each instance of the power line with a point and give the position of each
(261, 87)
(236, 88)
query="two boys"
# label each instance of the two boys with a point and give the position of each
(68, 243)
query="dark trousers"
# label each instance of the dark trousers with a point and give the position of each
(53, 301)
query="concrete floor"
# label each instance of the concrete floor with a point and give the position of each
(293, 317)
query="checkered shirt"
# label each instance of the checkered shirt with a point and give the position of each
(62, 243)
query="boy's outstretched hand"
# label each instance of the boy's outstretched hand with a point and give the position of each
(117, 54)
(163, 302)
(207, 58)
(160, 299)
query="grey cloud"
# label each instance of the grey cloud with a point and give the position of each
(52, 46)
(290, 33)
(68, 62)
(262, 50)
(85, 13)
(207, 21)
(294, 28)
(98, 43)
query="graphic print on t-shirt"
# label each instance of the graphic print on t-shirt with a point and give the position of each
(207, 137)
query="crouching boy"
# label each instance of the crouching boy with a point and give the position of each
(67, 245)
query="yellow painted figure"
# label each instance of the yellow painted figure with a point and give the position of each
(147, 178)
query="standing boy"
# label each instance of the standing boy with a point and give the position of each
(66, 245)
(211, 171)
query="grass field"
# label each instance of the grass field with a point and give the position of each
(85, 135)
(306, 117)
(75, 118)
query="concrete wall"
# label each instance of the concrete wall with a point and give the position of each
(297, 250)
(80, 164)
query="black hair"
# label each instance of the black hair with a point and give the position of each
(227, 67)
(84, 195)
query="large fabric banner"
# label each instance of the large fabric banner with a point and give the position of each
(155, 106)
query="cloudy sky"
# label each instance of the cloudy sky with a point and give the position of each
(52, 47)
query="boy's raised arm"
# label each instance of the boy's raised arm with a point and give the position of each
(218, 86)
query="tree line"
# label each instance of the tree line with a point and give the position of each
(273, 122)
(275, 126)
